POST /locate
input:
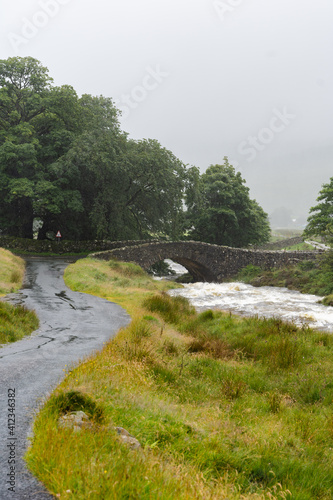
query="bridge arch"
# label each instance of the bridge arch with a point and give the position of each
(199, 271)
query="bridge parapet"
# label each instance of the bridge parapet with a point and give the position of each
(205, 262)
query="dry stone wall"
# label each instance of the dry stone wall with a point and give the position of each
(64, 246)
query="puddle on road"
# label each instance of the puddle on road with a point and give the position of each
(63, 296)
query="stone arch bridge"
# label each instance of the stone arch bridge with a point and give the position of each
(205, 262)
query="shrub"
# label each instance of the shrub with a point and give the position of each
(67, 402)
(307, 265)
(171, 309)
(206, 315)
(249, 272)
(328, 301)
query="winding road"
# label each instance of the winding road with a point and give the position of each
(72, 326)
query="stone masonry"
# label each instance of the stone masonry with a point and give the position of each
(205, 262)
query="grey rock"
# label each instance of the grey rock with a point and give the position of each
(76, 420)
(126, 438)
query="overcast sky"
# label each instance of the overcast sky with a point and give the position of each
(247, 79)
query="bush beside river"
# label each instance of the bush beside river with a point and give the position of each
(313, 277)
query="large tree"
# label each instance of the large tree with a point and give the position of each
(320, 220)
(220, 210)
(129, 189)
(38, 123)
(65, 161)
(77, 176)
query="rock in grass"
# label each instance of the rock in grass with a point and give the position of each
(126, 438)
(76, 420)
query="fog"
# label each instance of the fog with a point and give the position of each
(251, 79)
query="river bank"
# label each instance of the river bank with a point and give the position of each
(310, 277)
(223, 406)
(265, 301)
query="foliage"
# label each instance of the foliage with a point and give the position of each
(161, 268)
(65, 163)
(221, 211)
(328, 301)
(314, 277)
(68, 402)
(129, 189)
(320, 221)
(248, 273)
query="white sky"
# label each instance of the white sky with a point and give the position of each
(225, 71)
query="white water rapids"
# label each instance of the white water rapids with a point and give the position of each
(265, 301)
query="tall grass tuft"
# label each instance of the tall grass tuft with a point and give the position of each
(16, 322)
(171, 309)
(137, 345)
(68, 402)
(11, 272)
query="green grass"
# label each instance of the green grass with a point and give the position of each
(300, 247)
(307, 276)
(11, 272)
(224, 407)
(15, 322)
(280, 234)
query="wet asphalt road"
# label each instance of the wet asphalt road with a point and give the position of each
(72, 325)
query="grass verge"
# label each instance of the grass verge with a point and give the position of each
(224, 407)
(314, 277)
(15, 322)
(11, 272)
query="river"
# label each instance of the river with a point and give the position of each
(246, 300)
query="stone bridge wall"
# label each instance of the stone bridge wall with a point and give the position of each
(204, 261)
(65, 246)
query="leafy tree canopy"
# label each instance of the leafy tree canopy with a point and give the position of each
(65, 162)
(221, 211)
(320, 220)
